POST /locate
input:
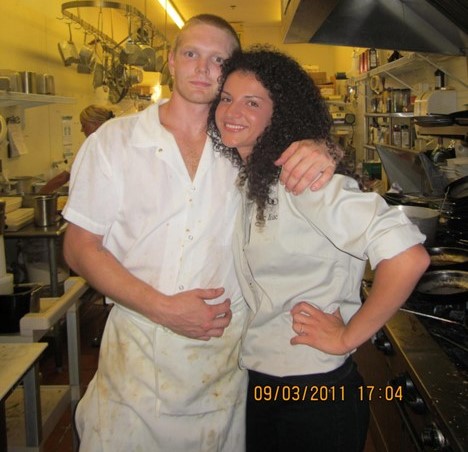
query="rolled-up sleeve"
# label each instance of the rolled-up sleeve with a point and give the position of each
(360, 224)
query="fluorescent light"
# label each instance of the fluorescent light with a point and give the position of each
(173, 14)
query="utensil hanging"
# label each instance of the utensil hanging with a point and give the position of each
(376, 84)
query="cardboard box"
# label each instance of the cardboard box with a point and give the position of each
(327, 90)
(319, 78)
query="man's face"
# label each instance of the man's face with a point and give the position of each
(196, 63)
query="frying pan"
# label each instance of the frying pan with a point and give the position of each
(444, 286)
(458, 190)
(448, 258)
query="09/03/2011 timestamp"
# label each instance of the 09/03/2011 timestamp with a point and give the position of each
(313, 393)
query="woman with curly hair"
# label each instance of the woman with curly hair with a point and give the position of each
(300, 261)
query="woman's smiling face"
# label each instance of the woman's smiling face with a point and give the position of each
(244, 111)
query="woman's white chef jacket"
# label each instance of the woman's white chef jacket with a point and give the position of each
(130, 184)
(313, 248)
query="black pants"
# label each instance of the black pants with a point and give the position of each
(319, 412)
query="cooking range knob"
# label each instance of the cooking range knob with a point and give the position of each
(382, 343)
(432, 437)
(411, 396)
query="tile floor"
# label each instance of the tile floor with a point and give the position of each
(93, 314)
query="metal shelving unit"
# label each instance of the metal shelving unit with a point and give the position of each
(11, 99)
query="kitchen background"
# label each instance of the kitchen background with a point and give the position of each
(29, 37)
(32, 31)
(379, 71)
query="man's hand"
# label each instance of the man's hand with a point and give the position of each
(305, 164)
(188, 314)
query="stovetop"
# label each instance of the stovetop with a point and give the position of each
(447, 328)
(436, 369)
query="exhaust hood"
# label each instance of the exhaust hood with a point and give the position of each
(431, 26)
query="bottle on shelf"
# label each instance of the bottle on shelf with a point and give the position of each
(439, 79)
(373, 63)
(394, 56)
(389, 100)
(405, 136)
(396, 135)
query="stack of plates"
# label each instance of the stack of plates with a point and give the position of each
(454, 209)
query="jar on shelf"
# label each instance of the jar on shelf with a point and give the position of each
(396, 135)
(405, 136)
(397, 100)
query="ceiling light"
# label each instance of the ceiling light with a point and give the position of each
(173, 13)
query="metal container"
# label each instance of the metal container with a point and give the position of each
(13, 307)
(45, 84)
(426, 219)
(29, 82)
(45, 210)
(23, 184)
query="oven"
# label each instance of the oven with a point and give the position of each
(416, 371)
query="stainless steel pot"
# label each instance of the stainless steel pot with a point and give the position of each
(29, 82)
(45, 210)
(425, 218)
(45, 84)
(24, 184)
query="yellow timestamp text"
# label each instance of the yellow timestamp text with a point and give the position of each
(325, 393)
(387, 392)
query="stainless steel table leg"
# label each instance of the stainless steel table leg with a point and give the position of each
(53, 267)
(3, 428)
(32, 407)
(54, 292)
(73, 336)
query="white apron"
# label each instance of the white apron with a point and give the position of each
(157, 391)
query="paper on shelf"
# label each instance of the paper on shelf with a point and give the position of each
(17, 145)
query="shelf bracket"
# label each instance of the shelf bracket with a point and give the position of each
(400, 81)
(428, 61)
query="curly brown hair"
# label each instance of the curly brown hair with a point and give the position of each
(299, 112)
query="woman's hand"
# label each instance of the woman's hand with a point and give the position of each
(318, 329)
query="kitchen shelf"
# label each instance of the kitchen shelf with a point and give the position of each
(373, 148)
(454, 131)
(407, 63)
(412, 62)
(9, 98)
(390, 115)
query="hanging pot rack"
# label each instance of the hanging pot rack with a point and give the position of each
(130, 11)
(117, 66)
